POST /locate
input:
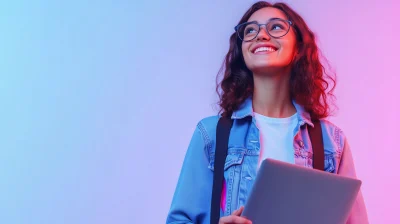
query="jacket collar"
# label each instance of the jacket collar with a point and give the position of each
(246, 109)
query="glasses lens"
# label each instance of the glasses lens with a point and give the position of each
(248, 32)
(278, 28)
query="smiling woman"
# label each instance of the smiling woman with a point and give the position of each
(293, 57)
(274, 89)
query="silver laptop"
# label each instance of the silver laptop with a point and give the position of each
(286, 194)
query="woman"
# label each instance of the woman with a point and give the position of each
(272, 74)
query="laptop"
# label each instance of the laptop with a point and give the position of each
(285, 193)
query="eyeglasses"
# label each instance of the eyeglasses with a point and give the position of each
(275, 28)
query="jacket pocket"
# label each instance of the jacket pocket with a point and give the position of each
(234, 157)
(331, 163)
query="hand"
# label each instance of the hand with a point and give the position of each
(235, 218)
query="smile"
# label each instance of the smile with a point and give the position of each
(264, 50)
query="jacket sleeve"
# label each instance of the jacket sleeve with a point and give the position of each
(192, 198)
(358, 214)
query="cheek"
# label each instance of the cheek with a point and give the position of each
(289, 50)
(292, 44)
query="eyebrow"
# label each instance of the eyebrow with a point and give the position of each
(275, 18)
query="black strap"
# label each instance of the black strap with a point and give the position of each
(221, 150)
(317, 145)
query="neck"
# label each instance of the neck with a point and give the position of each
(271, 96)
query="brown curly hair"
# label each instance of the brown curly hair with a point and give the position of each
(309, 80)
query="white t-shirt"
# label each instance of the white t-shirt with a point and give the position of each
(276, 137)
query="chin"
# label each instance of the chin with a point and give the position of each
(264, 65)
(267, 68)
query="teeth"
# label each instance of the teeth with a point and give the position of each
(264, 49)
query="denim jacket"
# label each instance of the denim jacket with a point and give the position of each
(192, 198)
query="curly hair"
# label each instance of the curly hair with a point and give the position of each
(309, 80)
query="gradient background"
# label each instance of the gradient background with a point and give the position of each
(99, 100)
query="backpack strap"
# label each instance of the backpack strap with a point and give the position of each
(317, 145)
(221, 150)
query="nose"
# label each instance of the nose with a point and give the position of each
(263, 34)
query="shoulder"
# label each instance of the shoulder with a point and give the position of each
(208, 126)
(334, 133)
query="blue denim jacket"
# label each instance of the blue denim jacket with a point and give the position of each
(192, 199)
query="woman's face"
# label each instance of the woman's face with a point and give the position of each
(277, 53)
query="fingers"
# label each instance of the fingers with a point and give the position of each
(239, 211)
(234, 220)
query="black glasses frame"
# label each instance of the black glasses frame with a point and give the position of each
(259, 28)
